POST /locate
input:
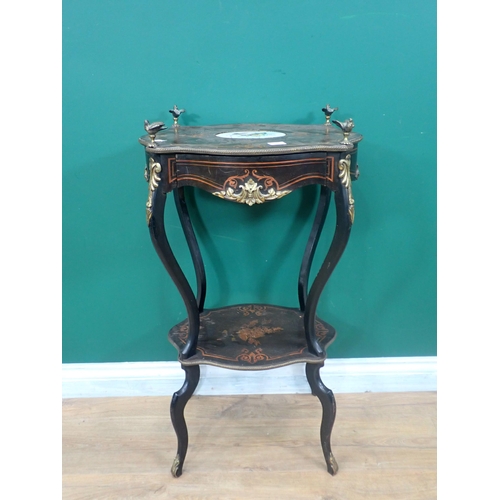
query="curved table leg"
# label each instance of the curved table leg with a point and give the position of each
(327, 399)
(344, 205)
(177, 405)
(312, 243)
(159, 238)
(194, 249)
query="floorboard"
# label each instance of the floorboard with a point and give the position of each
(251, 447)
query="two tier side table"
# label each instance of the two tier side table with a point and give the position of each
(251, 164)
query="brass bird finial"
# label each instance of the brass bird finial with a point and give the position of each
(152, 129)
(328, 112)
(176, 112)
(346, 128)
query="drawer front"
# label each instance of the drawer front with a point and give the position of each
(252, 179)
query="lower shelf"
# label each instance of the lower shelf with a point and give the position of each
(252, 337)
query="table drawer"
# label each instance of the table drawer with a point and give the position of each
(252, 179)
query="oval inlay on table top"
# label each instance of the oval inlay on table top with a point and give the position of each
(251, 134)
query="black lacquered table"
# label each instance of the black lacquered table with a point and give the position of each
(251, 164)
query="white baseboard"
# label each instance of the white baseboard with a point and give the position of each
(84, 380)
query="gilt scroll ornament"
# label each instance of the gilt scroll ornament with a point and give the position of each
(152, 176)
(245, 189)
(345, 178)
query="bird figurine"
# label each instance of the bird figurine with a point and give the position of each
(176, 112)
(328, 112)
(346, 128)
(152, 129)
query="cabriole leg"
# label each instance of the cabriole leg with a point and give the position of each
(344, 204)
(158, 234)
(312, 243)
(194, 249)
(327, 400)
(177, 405)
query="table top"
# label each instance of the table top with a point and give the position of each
(250, 139)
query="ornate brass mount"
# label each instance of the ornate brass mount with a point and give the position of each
(152, 176)
(345, 178)
(328, 113)
(176, 112)
(152, 129)
(346, 128)
(244, 188)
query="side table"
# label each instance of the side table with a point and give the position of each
(251, 164)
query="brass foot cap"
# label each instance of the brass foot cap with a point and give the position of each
(176, 467)
(332, 465)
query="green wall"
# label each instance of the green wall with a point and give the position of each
(248, 61)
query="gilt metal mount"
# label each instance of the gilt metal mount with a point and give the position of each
(345, 179)
(152, 176)
(245, 189)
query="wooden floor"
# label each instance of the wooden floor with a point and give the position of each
(251, 447)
